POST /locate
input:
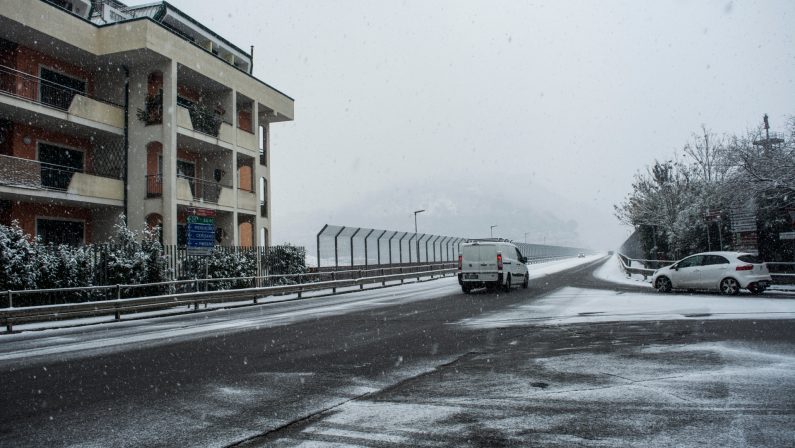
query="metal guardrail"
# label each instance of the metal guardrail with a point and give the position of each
(626, 266)
(11, 316)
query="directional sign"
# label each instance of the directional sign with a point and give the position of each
(200, 232)
(200, 220)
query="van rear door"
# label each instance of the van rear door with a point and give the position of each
(479, 258)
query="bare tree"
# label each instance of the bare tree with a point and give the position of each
(708, 152)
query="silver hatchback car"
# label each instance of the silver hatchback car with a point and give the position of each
(727, 272)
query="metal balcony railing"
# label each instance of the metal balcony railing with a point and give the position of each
(33, 88)
(201, 189)
(19, 172)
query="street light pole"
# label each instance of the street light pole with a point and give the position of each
(525, 237)
(415, 219)
(491, 230)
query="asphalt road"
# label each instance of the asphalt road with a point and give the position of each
(394, 367)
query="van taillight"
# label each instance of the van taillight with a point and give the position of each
(499, 261)
(460, 262)
(746, 267)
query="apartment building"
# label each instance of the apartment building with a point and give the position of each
(107, 109)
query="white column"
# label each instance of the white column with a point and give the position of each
(169, 140)
(235, 180)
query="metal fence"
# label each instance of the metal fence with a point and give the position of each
(345, 246)
(356, 246)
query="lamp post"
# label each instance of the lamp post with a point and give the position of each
(525, 237)
(415, 219)
(415, 234)
(491, 230)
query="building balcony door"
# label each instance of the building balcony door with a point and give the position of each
(58, 165)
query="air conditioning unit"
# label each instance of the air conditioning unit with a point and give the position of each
(113, 15)
(81, 8)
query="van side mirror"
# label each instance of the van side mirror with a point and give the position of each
(523, 260)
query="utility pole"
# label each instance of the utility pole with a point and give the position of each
(491, 230)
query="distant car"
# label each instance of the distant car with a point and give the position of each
(726, 272)
(493, 264)
(580, 255)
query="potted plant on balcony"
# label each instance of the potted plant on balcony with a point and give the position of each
(205, 119)
(152, 113)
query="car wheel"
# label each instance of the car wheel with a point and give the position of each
(526, 282)
(729, 287)
(663, 284)
(466, 288)
(508, 283)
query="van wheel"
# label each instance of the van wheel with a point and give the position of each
(508, 283)
(466, 288)
(526, 282)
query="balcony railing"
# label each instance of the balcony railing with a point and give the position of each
(200, 189)
(27, 173)
(32, 88)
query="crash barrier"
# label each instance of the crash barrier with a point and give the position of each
(348, 246)
(782, 273)
(301, 283)
(626, 265)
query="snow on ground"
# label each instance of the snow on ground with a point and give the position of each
(701, 394)
(611, 272)
(576, 305)
(540, 270)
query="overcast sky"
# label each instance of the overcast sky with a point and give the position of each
(537, 113)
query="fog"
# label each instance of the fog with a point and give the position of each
(532, 116)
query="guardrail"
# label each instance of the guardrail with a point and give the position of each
(11, 316)
(626, 265)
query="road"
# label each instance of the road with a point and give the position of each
(403, 366)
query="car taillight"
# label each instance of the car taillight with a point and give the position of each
(460, 262)
(499, 261)
(745, 267)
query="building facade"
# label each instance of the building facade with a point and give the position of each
(107, 110)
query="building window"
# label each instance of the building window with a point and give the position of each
(57, 89)
(58, 164)
(57, 231)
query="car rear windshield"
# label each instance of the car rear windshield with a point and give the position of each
(750, 259)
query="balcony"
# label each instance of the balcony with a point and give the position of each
(194, 190)
(29, 174)
(246, 199)
(63, 102)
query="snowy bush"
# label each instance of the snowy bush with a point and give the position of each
(129, 258)
(17, 258)
(285, 260)
(223, 263)
(133, 258)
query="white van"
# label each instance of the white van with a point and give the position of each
(495, 264)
